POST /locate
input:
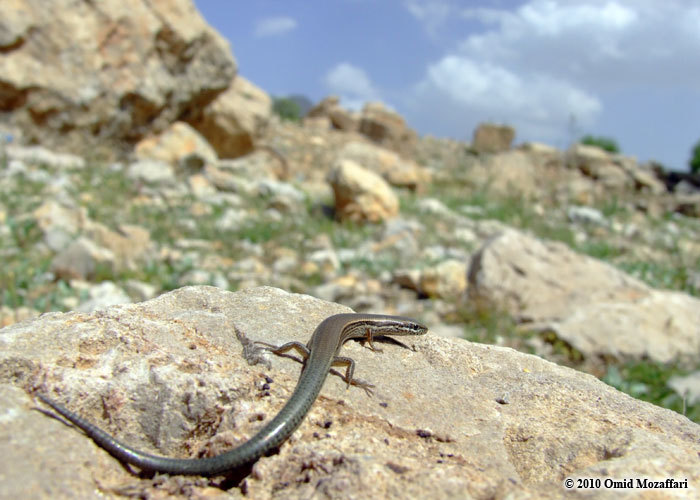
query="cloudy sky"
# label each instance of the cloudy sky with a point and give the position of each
(554, 69)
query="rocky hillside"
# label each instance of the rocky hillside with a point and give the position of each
(148, 164)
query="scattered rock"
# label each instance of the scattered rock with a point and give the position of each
(60, 224)
(661, 326)
(139, 290)
(395, 170)
(688, 204)
(408, 278)
(179, 145)
(600, 166)
(102, 296)
(39, 155)
(491, 138)
(9, 316)
(200, 187)
(152, 172)
(234, 121)
(281, 195)
(544, 153)
(338, 117)
(361, 195)
(646, 181)
(387, 129)
(130, 245)
(507, 174)
(447, 280)
(586, 215)
(83, 260)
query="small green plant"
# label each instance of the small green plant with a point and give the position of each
(694, 163)
(605, 143)
(648, 381)
(287, 109)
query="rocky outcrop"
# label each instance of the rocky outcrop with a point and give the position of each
(381, 125)
(387, 128)
(338, 117)
(513, 173)
(180, 376)
(95, 77)
(613, 172)
(235, 119)
(596, 308)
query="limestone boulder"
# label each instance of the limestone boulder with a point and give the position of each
(396, 170)
(687, 204)
(83, 260)
(95, 77)
(492, 138)
(387, 129)
(596, 308)
(235, 119)
(339, 117)
(360, 194)
(511, 173)
(600, 166)
(181, 376)
(59, 224)
(446, 280)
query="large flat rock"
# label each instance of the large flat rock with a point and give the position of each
(178, 375)
(596, 308)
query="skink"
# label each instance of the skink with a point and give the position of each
(319, 354)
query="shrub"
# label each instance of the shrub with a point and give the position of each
(605, 143)
(694, 162)
(287, 109)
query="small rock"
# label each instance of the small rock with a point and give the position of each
(491, 138)
(82, 259)
(361, 195)
(586, 215)
(154, 172)
(104, 295)
(179, 145)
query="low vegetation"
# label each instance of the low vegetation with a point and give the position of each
(26, 281)
(605, 143)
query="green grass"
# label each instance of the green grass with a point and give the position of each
(648, 381)
(662, 275)
(605, 143)
(107, 195)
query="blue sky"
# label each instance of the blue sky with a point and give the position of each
(554, 69)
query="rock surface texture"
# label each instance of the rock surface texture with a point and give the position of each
(180, 376)
(593, 306)
(81, 75)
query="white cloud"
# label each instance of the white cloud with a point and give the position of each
(274, 26)
(552, 18)
(600, 43)
(533, 102)
(352, 84)
(432, 13)
(538, 65)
